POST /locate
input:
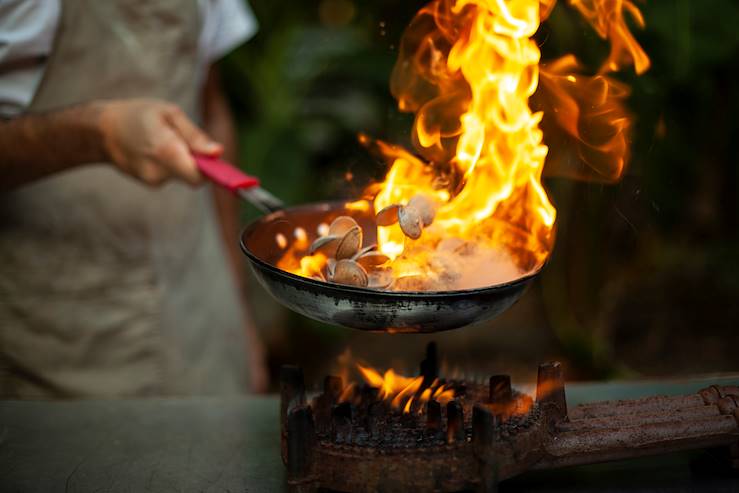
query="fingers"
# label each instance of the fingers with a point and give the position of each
(174, 156)
(154, 141)
(152, 174)
(196, 139)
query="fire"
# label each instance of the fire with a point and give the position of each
(294, 260)
(467, 69)
(402, 392)
(606, 17)
(470, 70)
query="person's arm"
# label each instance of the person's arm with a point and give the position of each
(150, 140)
(218, 122)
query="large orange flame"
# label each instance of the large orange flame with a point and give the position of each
(470, 71)
(467, 69)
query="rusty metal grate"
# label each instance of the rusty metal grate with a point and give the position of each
(486, 434)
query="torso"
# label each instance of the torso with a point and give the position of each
(107, 287)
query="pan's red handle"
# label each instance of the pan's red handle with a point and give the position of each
(224, 174)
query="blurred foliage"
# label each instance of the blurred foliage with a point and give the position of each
(645, 273)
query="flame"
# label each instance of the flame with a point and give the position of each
(294, 259)
(467, 69)
(607, 18)
(587, 118)
(403, 392)
(470, 70)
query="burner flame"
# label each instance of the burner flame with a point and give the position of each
(403, 393)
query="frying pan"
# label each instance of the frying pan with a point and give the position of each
(355, 307)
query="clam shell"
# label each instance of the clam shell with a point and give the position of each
(341, 225)
(425, 207)
(350, 273)
(326, 244)
(416, 283)
(364, 250)
(330, 267)
(349, 244)
(410, 222)
(388, 215)
(372, 259)
(381, 279)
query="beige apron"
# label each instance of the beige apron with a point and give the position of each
(107, 287)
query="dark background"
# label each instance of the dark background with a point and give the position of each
(644, 279)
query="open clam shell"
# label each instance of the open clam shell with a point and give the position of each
(341, 225)
(388, 215)
(349, 272)
(330, 267)
(410, 222)
(372, 259)
(349, 244)
(364, 250)
(326, 245)
(425, 206)
(380, 279)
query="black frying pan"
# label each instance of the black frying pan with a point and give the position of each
(358, 308)
(363, 308)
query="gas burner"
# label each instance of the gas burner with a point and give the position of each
(485, 434)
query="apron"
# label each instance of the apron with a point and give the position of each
(109, 288)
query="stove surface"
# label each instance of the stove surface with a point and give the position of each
(232, 444)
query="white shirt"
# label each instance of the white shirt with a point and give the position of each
(27, 29)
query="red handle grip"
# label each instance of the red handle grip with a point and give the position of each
(224, 174)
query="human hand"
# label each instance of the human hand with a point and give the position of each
(153, 140)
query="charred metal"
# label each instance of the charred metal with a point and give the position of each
(486, 434)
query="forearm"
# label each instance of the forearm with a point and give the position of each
(36, 145)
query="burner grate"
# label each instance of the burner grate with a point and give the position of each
(485, 434)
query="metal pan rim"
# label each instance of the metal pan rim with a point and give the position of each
(248, 230)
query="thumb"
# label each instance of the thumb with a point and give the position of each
(197, 141)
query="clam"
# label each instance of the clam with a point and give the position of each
(350, 273)
(413, 217)
(341, 225)
(380, 279)
(410, 222)
(388, 215)
(372, 259)
(364, 250)
(330, 267)
(325, 244)
(412, 283)
(350, 244)
(425, 206)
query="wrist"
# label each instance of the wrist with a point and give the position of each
(101, 116)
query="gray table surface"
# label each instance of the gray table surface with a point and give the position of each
(232, 445)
